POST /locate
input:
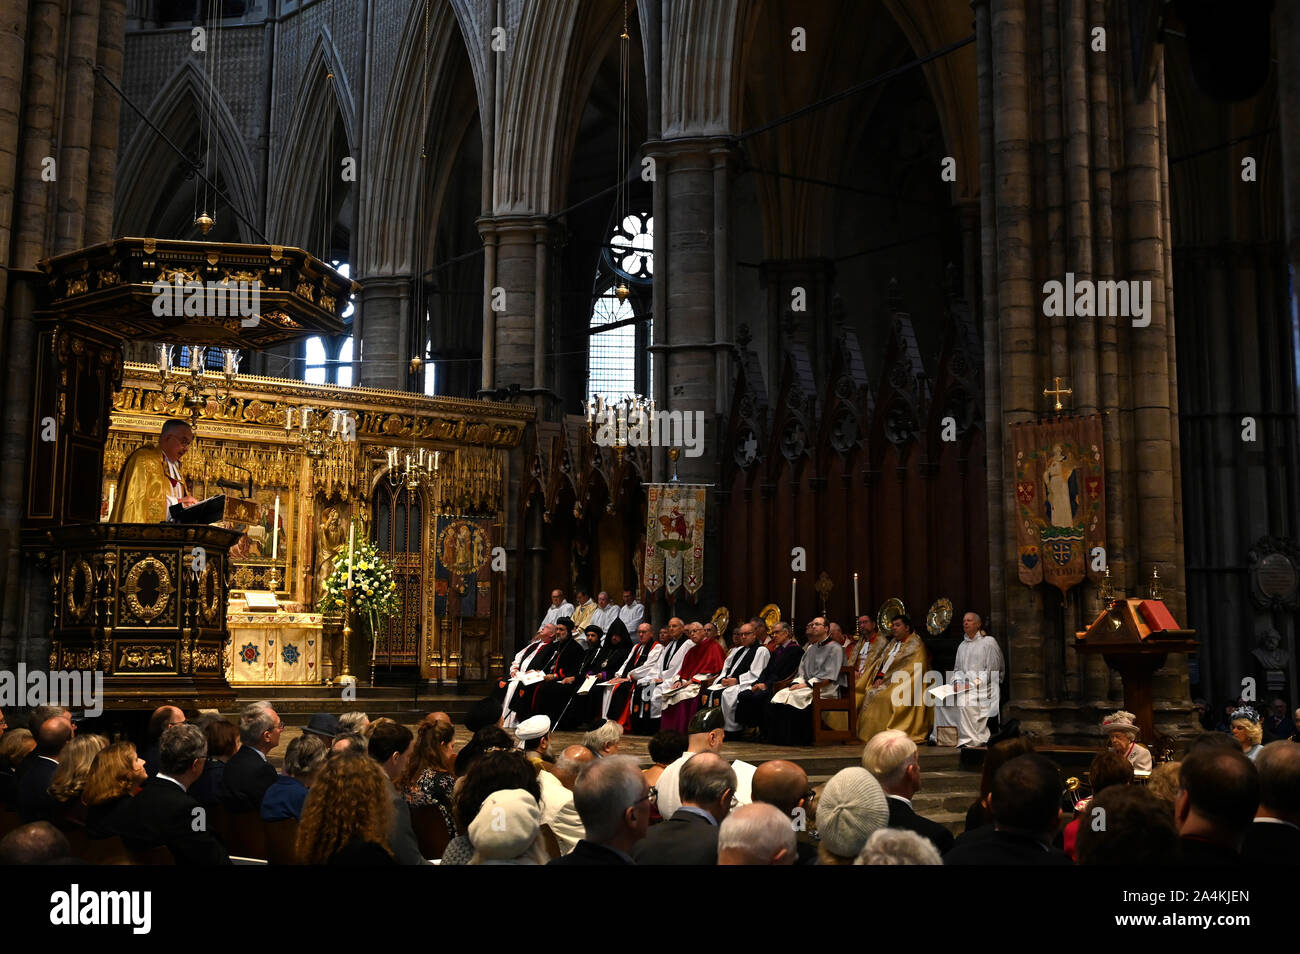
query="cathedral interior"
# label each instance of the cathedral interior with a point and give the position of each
(825, 231)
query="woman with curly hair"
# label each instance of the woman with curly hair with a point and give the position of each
(428, 779)
(15, 745)
(493, 771)
(346, 817)
(1247, 730)
(114, 776)
(70, 777)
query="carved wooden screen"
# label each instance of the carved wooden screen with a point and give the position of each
(399, 526)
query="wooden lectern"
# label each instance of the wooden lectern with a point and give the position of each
(1135, 637)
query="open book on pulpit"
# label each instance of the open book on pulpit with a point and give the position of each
(215, 509)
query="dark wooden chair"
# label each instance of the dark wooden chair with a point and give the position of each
(846, 703)
(430, 830)
(281, 841)
(246, 837)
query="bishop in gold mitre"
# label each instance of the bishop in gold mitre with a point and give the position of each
(151, 478)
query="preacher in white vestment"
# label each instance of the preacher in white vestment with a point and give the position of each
(962, 718)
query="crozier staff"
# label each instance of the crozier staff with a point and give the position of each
(151, 482)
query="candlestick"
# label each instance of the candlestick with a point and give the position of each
(856, 613)
(792, 604)
(111, 488)
(352, 531)
(164, 359)
(275, 529)
(435, 459)
(229, 365)
(288, 420)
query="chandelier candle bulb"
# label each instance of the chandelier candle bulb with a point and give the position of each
(229, 367)
(275, 529)
(164, 362)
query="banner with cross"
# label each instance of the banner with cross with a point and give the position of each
(674, 547)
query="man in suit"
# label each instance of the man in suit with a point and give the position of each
(784, 785)
(1218, 793)
(690, 837)
(162, 717)
(756, 834)
(1274, 836)
(1026, 804)
(892, 758)
(613, 801)
(248, 773)
(164, 813)
(391, 745)
(34, 801)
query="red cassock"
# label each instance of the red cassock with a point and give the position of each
(706, 658)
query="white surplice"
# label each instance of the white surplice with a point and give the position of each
(979, 662)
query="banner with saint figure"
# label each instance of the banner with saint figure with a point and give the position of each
(1060, 487)
(674, 539)
(463, 550)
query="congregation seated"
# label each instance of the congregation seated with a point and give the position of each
(1139, 829)
(612, 799)
(164, 813)
(1107, 769)
(223, 743)
(689, 836)
(490, 738)
(604, 740)
(348, 743)
(249, 774)
(508, 830)
(1217, 800)
(115, 775)
(303, 760)
(1247, 730)
(1122, 733)
(705, 734)
(35, 843)
(1025, 801)
(490, 771)
(428, 778)
(348, 814)
(979, 814)
(70, 778)
(15, 746)
(789, 716)
(898, 846)
(555, 778)
(892, 758)
(756, 834)
(851, 808)
(784, 785)
(893, 690)
(357, 722)
(161, 718)
(1274, 836)
(664, 749)
(33, 799)
(390, 745)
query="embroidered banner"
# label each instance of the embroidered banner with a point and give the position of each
(674, 539)
(1060, 493)
(463, 550)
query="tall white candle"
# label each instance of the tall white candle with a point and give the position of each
(792, 602)
(856, 613)
(111, 488)
(352, 532)
(275, 529)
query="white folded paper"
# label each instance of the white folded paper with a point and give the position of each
(532, 676)
(586, 685)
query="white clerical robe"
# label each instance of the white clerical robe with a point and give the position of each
(559, 812)
(604, 618)
(979, 662)
(821, 664)
(557, 613)
(634, 674)
(748, 675)
(670, 665)
(518, 666)
(632, 617)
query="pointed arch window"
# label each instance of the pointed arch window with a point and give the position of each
(621, 328)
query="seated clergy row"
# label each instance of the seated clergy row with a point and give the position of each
(580, 676)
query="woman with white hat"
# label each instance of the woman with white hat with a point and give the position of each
(1122, 732)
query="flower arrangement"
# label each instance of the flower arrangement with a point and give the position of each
(374, 590)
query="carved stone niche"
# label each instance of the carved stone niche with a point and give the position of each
(1274, 569)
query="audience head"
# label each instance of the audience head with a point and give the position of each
(323, 725)
(353, 722)
(708, 782)
(116, 771)
(223, 739)
(1278, 765)
(490, 738)
(260, 726)
(1246, 728)
(182, 752)
(707, 730)
(782, 785)
(998, 755)
(350, 800)
(1127, 825)
(484, 713)
(39, 715)
(15, 746)
(38, 843)
(666, 747)
(353, 743)
(891, 757)
(1026, 796)
(493, 772)
(898, 846)
(390, 745)
(534, 734)
(756, 834)
(52, 735)
(1107, 769)
(852, 806)
(1213, 740)
(1163, 783)
(507, 829)
(434, 751)
(1218, 792)
(305, 757)
(571, 763)
(162, 717)
(613, 801)
(604, 739)
(74, 765)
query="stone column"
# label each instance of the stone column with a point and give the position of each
(103, 142)
(384, 309)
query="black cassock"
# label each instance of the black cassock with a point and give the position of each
(525, 698)
(549, 697)
(585, 710)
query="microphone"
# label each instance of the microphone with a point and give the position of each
(227, 484)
